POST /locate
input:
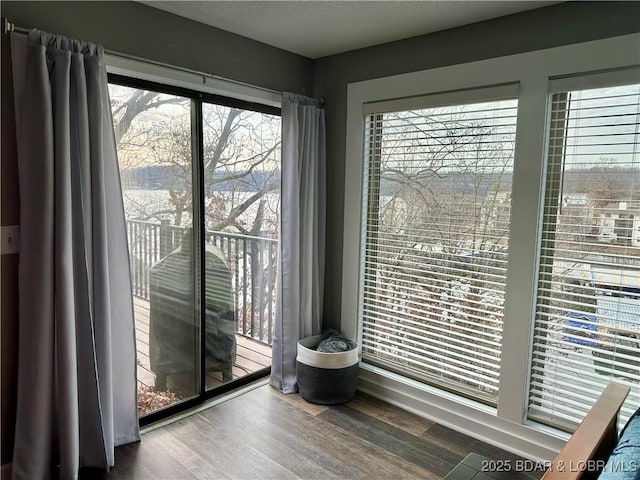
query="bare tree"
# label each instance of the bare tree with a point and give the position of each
(241, 153)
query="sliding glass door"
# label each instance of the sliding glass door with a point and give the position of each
(241, 169)
(201, 186)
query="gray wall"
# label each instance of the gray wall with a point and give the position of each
(139, 30)
(548, 27)
(150, 33)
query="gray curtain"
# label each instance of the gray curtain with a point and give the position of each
(302, 238)
(77, 365)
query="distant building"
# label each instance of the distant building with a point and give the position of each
(619, 223)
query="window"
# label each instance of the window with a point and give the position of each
(201, 189)
(438, 193)
(587, 327)
(490, 264)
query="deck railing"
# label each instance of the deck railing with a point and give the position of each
(252, 260)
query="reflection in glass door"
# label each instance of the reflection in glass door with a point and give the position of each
(154, 140)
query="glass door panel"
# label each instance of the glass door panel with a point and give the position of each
(155, 152)
(241, 155)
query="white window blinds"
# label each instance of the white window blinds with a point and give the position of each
(436, 235)
(587, 327)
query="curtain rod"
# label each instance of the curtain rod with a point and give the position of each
(8, 26)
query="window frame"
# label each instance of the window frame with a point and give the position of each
(506, 425)
(197, 99)
(189, 80)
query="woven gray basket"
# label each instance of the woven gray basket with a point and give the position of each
(326, 378)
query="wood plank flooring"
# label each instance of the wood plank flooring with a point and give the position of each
(263, 434)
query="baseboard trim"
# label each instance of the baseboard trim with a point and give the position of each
(5, 471)
(478, 421)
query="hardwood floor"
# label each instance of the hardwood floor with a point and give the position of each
(263, 434)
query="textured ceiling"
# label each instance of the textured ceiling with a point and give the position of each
(319, 28)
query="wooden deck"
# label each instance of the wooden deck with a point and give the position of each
(251, 355)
